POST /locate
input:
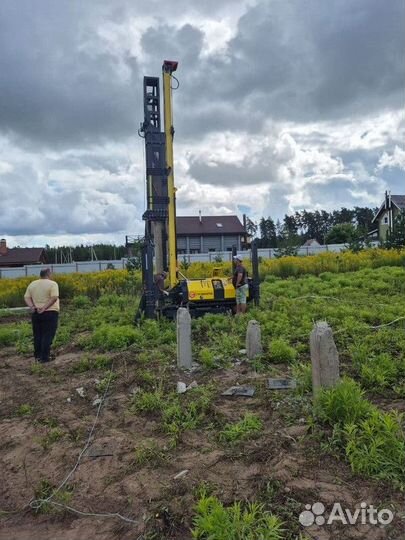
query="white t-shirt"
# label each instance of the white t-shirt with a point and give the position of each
(41, 291)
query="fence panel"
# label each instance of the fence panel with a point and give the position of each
(225, 256)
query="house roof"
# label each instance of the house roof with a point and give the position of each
(397, 200)
(311, 242)
(192, 225)
(22, 256)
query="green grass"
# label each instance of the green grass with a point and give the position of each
(112, 338)
(18, 335)
(8, 336)
(108, 380)
(372, 441)
(343, 404)
(357, 305)
(37, 369)
(375, 447)
(281, 352)
(206, 358)
(302, 372)
(248, 521)
(249, 427)
(177, 413)
(44, 490)
(89, 362)
(150, 453)
(148, 402)
(54, 435)
(25, 410)
(379, 372)
(81, 301)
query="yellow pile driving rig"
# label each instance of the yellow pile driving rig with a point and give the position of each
(159, 251)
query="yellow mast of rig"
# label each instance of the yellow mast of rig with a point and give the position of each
(168, 68)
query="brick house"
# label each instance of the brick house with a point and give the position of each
(14, 257)
(203, 234)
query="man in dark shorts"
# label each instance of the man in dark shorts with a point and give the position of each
(240, 283)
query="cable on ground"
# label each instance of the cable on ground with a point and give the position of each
(36, 504)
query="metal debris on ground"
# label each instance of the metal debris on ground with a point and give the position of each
(242, 351)
(195, 367)
(281, 384)
(247, 391)
(80, 391)
(182, 387)
(181, 474)
(99, 451)
(97, 401)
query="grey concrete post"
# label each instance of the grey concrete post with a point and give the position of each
(253, 340)
(184, 358)
(324, 357)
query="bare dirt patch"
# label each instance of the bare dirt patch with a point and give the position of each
(284, 467)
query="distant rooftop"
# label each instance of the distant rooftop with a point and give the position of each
(398, 200)
(22, 256)
(195, 225)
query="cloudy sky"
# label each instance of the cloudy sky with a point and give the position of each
(282, 105)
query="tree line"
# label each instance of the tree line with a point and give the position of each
(344, 226)
(102, 252)
(337, 227)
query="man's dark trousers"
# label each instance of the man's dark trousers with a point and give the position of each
(44, 327)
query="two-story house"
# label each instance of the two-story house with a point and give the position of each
(388, 211)
(203, 234)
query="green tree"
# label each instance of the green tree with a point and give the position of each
(290, 226)
(268, 237)
(344, 215)
(251, 227)
(396, 238)
(341, 233)
(364, 217)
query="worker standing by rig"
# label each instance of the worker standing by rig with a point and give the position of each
(240, 282)
(159, 281)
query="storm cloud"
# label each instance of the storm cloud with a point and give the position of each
(281, 105)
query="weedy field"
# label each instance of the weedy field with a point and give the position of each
(199, 464)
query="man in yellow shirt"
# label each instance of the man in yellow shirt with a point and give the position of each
(42, 297)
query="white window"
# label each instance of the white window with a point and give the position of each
(219, 225)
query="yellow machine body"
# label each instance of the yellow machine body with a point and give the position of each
(210, 289)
